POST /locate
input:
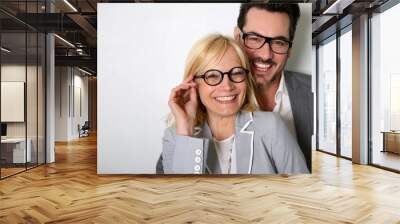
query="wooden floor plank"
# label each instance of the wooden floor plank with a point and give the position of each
(70, 191)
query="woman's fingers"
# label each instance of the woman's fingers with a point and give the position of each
(183, 88)
(183, 105)
(189, 78)
(181, 93)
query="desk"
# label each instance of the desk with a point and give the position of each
(391, 141)
(15, 148)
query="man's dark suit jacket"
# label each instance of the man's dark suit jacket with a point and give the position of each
(302, 102)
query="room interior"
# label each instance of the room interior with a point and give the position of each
(48, 171)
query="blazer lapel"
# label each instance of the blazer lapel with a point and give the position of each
(244, 143)
(211, 158)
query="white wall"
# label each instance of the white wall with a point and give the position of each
(80, 83)
(68, 80)
(142, 49)
(61, 103)
(18, 73)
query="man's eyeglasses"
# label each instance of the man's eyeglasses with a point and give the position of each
(214, 77)
(257, 41)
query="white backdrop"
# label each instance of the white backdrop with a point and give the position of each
(142, 50)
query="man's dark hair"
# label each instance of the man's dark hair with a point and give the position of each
(292, 10)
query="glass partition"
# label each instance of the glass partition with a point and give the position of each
(346, 94)
(327, 96)
(31, 100)
(13, 103)
(385, 89)
(41, 87)
(22, 77)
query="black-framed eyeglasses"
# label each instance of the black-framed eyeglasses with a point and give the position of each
(214, 77)
(257, 41)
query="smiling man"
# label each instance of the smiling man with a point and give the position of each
(266, 31)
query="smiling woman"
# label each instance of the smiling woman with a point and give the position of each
(214, 128)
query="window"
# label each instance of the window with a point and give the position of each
(346, 75)
(385, 88)
(327, 96)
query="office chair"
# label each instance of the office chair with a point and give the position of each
(84, 130)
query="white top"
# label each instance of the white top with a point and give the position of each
(226, 153)
(283, 106)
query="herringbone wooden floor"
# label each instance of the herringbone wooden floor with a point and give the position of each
(70, 191)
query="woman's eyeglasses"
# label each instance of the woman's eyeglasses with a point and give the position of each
(214, 77)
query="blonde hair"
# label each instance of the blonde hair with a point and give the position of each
(207, 50)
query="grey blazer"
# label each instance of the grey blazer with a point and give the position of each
(263, 146)
(302, 103)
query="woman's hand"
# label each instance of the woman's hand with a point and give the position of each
(183, 104)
